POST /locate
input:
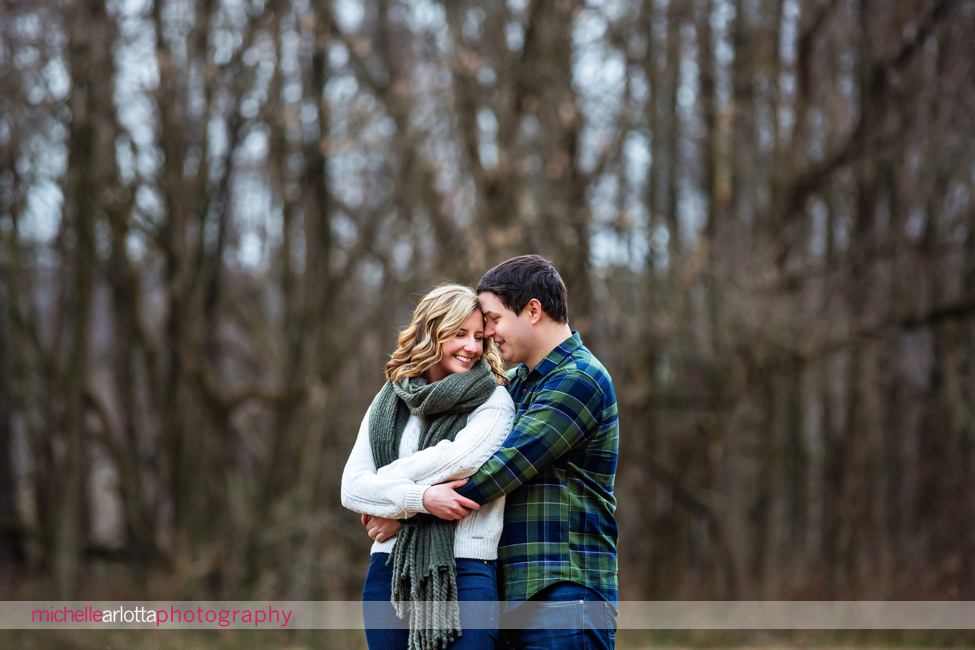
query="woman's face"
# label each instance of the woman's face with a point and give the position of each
(461, 351)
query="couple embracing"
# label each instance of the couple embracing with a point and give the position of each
(479, 486)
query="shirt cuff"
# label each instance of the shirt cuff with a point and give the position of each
(413, 499)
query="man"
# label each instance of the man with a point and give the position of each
(558, 466)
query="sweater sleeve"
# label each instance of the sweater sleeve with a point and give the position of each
(365, 491)
(486, 429)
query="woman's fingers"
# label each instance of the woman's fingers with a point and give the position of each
(380, 529)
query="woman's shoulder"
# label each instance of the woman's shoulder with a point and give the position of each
(500, 398)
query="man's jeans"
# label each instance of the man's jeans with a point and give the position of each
(477, 580)
(568, 604)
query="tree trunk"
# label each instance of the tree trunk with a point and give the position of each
(11, 528)
(89, 34)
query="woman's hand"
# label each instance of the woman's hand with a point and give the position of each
(380, 528)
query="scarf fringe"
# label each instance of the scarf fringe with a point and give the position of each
(425, 590)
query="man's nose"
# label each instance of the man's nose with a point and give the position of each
(489, 332)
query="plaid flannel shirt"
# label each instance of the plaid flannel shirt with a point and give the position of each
(557, 468)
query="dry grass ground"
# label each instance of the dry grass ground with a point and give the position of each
(354, 640)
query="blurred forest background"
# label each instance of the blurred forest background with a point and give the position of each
(214, 215)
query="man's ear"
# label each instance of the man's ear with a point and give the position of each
(534, 308)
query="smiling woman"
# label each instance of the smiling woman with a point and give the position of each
(442, 413)
(460, 353)
(444, 315)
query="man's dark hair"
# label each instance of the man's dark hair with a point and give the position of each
(518, 280)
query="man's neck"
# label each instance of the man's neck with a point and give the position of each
(551, 338)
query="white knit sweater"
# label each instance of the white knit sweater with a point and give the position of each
(396, 490)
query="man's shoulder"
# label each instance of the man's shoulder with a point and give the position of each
(582, 381)
(582, 365)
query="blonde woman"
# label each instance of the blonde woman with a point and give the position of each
(441, 414)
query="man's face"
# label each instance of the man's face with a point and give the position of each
(513, 333)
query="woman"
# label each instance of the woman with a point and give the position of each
(442, 413)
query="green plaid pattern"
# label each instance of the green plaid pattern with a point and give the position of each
(558, 467)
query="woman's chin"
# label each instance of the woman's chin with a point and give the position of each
(459, 368)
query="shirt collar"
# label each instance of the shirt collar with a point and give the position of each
(553, 359)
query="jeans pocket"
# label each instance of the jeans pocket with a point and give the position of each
(605, 617)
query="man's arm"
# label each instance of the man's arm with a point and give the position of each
(565, 410)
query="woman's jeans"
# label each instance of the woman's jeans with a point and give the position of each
(477, 580)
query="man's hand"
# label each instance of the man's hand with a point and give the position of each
(441, 501)
(380, 528)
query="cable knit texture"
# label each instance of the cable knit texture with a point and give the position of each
(396, 490)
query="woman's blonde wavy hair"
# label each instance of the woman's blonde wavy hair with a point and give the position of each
(438, 317)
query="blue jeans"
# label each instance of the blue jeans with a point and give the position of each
(477, 580)
(568, 604)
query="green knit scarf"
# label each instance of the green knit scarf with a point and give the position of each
(424, 568)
